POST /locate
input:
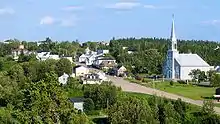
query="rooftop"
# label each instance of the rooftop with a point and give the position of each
(77, 99)
(191, 60)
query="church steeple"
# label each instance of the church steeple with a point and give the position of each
(173, 35)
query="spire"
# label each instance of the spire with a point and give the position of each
(173, 35)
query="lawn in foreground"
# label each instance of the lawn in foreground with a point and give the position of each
(190, 91)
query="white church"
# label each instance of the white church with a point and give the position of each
(178, 66)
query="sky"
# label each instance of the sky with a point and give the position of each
(100, 20)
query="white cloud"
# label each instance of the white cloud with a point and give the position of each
(212, 22)
(123, 5)
(72, 8)
(4, 11)
(158, 7)
(65, 22)
(47, 20)
(150, 6)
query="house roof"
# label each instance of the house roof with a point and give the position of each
(106, 58)
(77, 99)
(191, 60)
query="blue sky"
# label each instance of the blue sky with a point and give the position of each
(103, 19)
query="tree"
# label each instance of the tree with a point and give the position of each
(215, 80)
(130, 110)
(102, 95)
(88, 105)
(195, 74)
(49, 94)
(63, 66)
(16, 73)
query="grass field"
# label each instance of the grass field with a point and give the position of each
(190, 91)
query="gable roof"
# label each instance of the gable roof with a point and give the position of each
(191, 60)
(77, 99)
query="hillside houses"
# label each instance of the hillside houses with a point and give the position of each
(91, 58)
(20, 50)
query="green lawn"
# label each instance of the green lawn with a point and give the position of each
(190, 91)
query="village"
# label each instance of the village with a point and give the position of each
(183, 75)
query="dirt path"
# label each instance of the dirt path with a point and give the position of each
(132, 87)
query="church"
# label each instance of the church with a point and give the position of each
(178, 66)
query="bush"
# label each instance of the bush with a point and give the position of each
(145, 80)
(138, 78)
(171, 83)
(182, 82)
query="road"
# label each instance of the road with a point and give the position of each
(132, 87)
(137, 88)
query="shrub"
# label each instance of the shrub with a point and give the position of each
(171, 83)
(182, 82)
(138, 78)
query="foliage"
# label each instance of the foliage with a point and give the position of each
(88, 105)
(63, 66)
(208, 107)
(215, 80)
(102, 95)
(171, 83)
(131, 111)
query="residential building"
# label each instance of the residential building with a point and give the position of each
(119, 71)
(63, 79)
(105, 62)
(78, 103)
(103, 52)
(80, 71)
(20, 50)
(178, 66)
(94, 78)
(42, 56)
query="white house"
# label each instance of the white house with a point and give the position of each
(178, 66)
(80, 71)
(63, 79)
(94, 78)
(102, 76)
(102, 52)
(83, 57)
(78, 103)
(46, 55)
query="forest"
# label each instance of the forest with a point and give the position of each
(30, 91)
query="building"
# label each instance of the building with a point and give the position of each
(20, 50)
(119, 71)
(78, 103)
(94, 78)
(42, 56)
(80, 70)
(103, 52)
(105, 62)
(63, 79)
(178, 66)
